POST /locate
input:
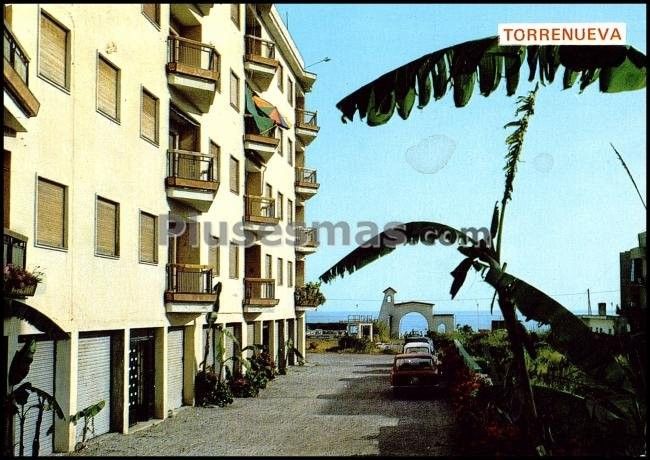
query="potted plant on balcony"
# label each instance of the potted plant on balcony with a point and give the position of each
(19, 282)
(309, 295)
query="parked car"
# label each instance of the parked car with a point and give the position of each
(417, 347)
(415, 372)
(416, 338)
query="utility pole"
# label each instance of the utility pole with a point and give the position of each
(588, 302)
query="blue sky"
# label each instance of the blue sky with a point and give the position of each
(573, 209)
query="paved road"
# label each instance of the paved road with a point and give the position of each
(337, 404)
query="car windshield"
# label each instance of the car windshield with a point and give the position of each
(418, 349)
(405, 364)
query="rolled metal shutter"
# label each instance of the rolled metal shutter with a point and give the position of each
(229, 347)
(175, 368)
(94, 382)
(41, 375)
(276, 341)
(250, 327)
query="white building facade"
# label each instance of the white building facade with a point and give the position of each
(154, 161)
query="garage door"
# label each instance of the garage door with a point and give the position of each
(94, 382)
(276, 341)
(175, 368)
(250, 328)
(210, 360)
(41, 375)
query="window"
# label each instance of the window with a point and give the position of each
(234, 175)
(53, 52)
(269, 266)
(290, 151)
(152, 12)
(281, 143)
(289, 273)
(280, 206)
(214, 254)
(148, 238)
(234, 91)
(234, 261)
(215, 151)
(107, 228)
(289, 211)
(51, 214)
(234, 14)
(280, 77)
(149, 117)
(280, 271)
(290, 91)
(108, 89)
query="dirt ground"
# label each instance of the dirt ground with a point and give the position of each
(337, 404)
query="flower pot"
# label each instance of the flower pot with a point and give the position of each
(26, 291)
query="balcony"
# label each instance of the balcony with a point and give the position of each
(259, 294)
(260, 217)
(14, 249)
(193, 69)
(306, 240)
(191, 179)
(259, 60)
(306, 126)
(262, 145)
(16, 80)
(189, 289)
(306, 184)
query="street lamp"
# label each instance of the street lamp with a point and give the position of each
(325, 59)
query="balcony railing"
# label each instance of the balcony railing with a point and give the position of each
(189, 56)
(14, 249)
(260, 208)
(306, 119)
(250, 127)
(256, 46)
(306, 176)
(192, 166)
(259, 289)
(189, 279)
(15, 56)
(306, 237)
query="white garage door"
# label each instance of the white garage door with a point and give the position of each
(175, 368)
(250, 337)
(210, 360)
(94, 382)
(41, 375)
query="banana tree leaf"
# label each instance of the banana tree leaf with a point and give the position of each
(50, 400)
(21, 362)
(460, 273)
(386, 242)
(569, 334)
(20, 310)
(617, 68)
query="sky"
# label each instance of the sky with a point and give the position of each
(573, 211)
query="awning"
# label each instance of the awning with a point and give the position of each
(265, 114)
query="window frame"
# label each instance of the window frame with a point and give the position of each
(117, 227)
(216, 165)
(236, 20)
(280, 77)
(144, 91)
(238, 186)
(67, 76)
(65, 216)
(118, 89)
(290, 91)
(155, 238)
(238, 105)
(154, 21)
(290, 150)
(230, 255)
(279, 205)
(289, 273)
(280, 271)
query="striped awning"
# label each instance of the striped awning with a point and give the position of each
(265, 114)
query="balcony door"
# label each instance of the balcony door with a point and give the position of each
(6, 178)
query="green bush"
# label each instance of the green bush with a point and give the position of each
(356, 344)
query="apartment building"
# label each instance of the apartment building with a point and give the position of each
(155, 169)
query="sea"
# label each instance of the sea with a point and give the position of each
(416, 322)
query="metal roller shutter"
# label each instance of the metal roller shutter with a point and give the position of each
(276, 341)
(250, 327)
(175, 368)
(94, 382)
(229, 347)
(210, 360)
(41, 375)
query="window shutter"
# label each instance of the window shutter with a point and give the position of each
(151, 10)
(149, 117)
(215, 151)
(106, 229)
(234, 175)
(51, 214)
(148, 252)
(234, 90)
(213, 256)
(234, 261)
(290, 274)
(52, 52)
(280, 271)
(107, 88)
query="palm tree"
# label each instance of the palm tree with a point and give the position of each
(617, 68)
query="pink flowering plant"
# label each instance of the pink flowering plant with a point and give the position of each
(17, 278)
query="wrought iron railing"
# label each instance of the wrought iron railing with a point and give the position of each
(189, 279)
(259, 289)
(260, 206)
(306, 236)
(305, 175)
(194, 54)
(14, 249)
(306, 119)
(190, 165)
(257, 46)
(15, 56)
